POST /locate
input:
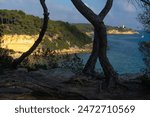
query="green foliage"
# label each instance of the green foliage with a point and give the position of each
(146, 44)
(57, 44)
(67, 33)
(34, 63)
(31, 25)
(5, 59)
(60, 35)
(144, 17)
(23, 24)
(145, 48)
(84, 27)
(73, 63)
(45, 60)
(88, 28)
(120, 29)
(49, 60)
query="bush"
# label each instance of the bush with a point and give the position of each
(5, 59)
(145, 49)
(31, 25)
(45, 60)
(73, 63)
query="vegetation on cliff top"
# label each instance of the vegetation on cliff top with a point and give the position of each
(67, 35)
(84, 27)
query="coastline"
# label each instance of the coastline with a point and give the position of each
(73, 51)
(114, 32)
(60, 52)
(117, 32)
(16, 42)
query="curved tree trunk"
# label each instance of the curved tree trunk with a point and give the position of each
(38, 41)
(100, 41)
(109, 72)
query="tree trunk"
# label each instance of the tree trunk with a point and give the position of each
(38, 41)
(109, 72)
(100, 41)
(90, 65)
(100, 51)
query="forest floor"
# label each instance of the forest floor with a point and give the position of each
(63, 84)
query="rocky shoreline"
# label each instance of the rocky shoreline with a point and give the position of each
(114, 32)
(117, 32)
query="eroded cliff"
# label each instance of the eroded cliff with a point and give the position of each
(18, 43)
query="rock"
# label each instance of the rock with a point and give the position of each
(21, 70)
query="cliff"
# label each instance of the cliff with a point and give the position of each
(18, 43)
(22, 43)
(18, 31)
(111, 30)
(127, 32)
(20, 34)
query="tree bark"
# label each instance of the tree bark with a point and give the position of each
(85, 11)
(38, 41)
(100, 41)
(90, 65)
(109, 72)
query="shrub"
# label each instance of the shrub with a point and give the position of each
(73, 63)
(5, 59)
(44, 60)
(145, 49)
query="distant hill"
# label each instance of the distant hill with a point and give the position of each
(88, 29)
(60, 35)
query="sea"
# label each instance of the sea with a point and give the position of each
(124, 53)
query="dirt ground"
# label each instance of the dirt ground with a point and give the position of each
(62, 84)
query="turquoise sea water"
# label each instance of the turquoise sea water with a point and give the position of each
(124, 52)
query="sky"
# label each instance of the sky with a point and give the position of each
(123, 12)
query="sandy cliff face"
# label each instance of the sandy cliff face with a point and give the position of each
(18, 43)
(114, 32)
(121, 32)
(22, 43)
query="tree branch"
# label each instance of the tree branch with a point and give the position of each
(38, 41)
(146, 2)
(85, 11)
(142, 2)
(106, 9)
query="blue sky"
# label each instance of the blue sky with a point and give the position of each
(122, 13)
